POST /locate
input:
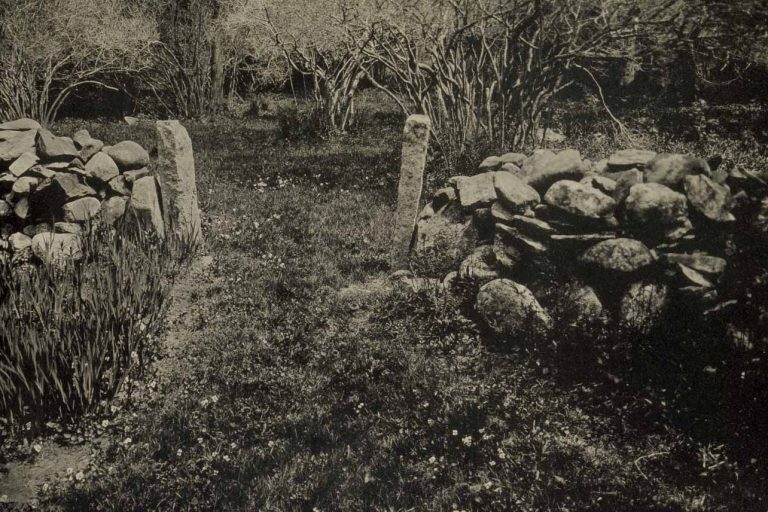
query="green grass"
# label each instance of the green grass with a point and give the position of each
(294, 398)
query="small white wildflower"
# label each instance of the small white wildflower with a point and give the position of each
(432, 459)
(179, 452)
(37, 447)
(455, 432)
(79, 476)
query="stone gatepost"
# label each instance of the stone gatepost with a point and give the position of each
(176, 176)
(414, 158)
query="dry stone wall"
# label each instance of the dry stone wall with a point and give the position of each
(54, 188)
(625, 237)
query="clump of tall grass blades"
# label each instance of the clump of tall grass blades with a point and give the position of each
(73, 331)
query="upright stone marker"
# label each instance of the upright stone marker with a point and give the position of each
(176, 175)
(415, 140)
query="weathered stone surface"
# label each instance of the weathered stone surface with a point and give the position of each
(136, 174)
(622, 255)
(580, 200)
(625, 180)
(128, 155)
(176, 175)
(52, 148)
(655, 207)
(500, 213)
(490, 163)
(513, 158)
(35, 229)
(56, 248)
(480, 265)
(23, 124)
(511, 168)
(21, 208)
(51, 195)
(532, 227)
(143, 211)
(537, 160)
(67, 227)
(628, 158)
(38, 171)
(14, 147)
(565, 165)
(449, 231)
(516, 195)
(699, 261)
(23, 163)
(605, 185)
(477, 191)
(81, 138)
(90, 148)
(671, 169)
(112, 210)
(642, 305)
(24, 185)
(5, 209)
(510, 309)
(413, 160)
(693, 277)
(711, 200)
(20, 242)
(119, 185)
(81, 210)
(582, 305)
(102, 167)
(523, 243)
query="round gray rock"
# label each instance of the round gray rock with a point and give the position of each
(623, 255)
(510, 308)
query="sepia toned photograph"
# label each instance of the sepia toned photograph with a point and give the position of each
(384, 255)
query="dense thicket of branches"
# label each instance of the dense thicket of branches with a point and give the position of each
(479, 68)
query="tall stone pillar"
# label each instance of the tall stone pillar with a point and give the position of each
(414, 158)
(176, 176)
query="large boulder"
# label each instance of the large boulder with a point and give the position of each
(656, 207)
(81, 210)
(516, 195)
(476, 191)
(671, 169)
(542, 172)
(102, 167)
(143, 212)
(51, 148)
(711, 200)
(642, 305)
(620, 255)
(16, 145)
(581, 305)
(510, 309)
(56, 248)
(23, 124)
(128, 155)
(580, 200)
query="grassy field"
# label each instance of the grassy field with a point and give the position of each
(292, 396)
